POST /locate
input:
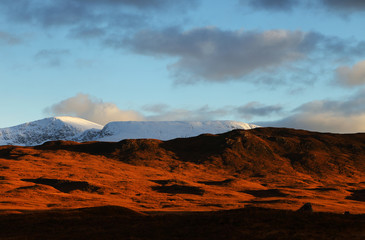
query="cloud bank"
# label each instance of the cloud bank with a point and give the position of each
(339, 6)
(95, 110)
(69, 13)
(212, 54)
(277, 5)
(84, 106)
(338, 116)
(343, 116)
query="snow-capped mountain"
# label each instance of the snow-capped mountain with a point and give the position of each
(48, 129)
(166, 130)
(80, 130)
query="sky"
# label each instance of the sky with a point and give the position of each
(279, 63)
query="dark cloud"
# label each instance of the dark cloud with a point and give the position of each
(246, 112)
(254, 109)
(339, 116)
(277, 5)
(52, 57)
(9, 39)
(217, 55)
(339, 6)
(87, 32)
(87, 12)
(145, 4)
(46, 13)
(348, 5)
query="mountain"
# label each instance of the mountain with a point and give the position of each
(165, 130)
(80, 130)
(48, 129)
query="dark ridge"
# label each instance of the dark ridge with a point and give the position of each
(266, 193)
(306, 208)
(164, 182)
(322, 189)
(95, 148)
(120, 223)
(270, 201)
(259, 152)
(217, 183)
(179, 189)
(357, 195)
(65, 186)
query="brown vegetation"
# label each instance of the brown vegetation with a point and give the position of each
(264, 167)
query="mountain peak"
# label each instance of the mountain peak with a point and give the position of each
(78, 122)
(47, 129)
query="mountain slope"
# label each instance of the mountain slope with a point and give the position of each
(48, 129)
(166, 130)
(80, 130)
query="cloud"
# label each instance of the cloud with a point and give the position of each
(86, 12)
(345, 6)
(246, 112)
(213, 54)
(52, 57)
(92, 109)
(343, 116)
(252, 109)
(9, 39)
(144, 4)
(267, 57)
(84, 106)
(156, 108)
(277, 5)
(334, 6)
(179, 114)
(87, 32)
(327, 116)
(351, 76)
(46, 13)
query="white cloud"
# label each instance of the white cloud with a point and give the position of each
(84, 106)
(352, 76)
(341, 116)
(92, 109)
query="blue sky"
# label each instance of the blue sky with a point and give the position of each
(284, 63)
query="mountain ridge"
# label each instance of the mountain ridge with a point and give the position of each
(81, 130)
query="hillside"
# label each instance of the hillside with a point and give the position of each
(262, 167)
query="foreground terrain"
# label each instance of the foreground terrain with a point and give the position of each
(169, 183)
(119, 223)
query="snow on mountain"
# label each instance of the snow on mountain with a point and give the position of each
(80, 130)
(166, 130)
(48, 129)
